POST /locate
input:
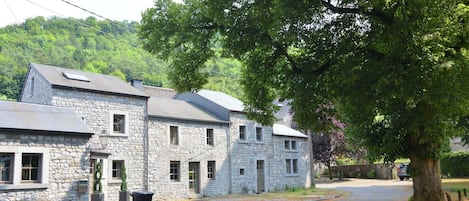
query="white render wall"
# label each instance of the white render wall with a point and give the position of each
(96, 110)
(192, 148)
(68, 163)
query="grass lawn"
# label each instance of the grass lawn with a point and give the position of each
(453, 185)
(288, 194)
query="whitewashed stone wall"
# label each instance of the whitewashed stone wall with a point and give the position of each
(96, 110)
(279, 179)
(192, 148)
(68, 164)
(244, 154)
(42, 92)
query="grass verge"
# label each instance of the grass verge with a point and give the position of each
(453, 185)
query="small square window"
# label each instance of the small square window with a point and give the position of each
(174, 170)
(6, 168)
(210, 137)
(241, 171)
(118, 123)
(117, 169)
(287, 145)
(30, 168)
(242, 133)
(259, 136)
(293, 145)
(211, 169)
(174, 135)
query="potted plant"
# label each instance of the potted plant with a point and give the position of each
(124, 195)
(97, 194)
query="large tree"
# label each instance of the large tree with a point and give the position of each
(396, 70)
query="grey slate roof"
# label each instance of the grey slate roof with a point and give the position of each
(27, 116)
(97, 82)
(222, 99)
(178, 109)
(280, 129)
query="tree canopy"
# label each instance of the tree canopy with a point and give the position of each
(396, 71)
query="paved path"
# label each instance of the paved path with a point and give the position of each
(372, 190)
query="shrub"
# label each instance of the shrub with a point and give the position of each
(371, 174)
(455, 164)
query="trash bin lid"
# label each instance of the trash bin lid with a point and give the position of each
(142, 193)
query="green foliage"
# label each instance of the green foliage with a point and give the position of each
(105, 47)
(455, 164)
(371, 174)
(98, 175)
(123, 178)
(395, 71)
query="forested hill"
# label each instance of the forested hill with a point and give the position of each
(107, 47)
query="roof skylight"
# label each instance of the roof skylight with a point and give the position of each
(72, 76)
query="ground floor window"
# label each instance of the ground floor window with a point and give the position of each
(291, 166)
(174, 168)
(211, 169)
(6, 168)
(30, 168)
(117, 169)
(23, 165)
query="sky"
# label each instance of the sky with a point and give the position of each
(17, 11)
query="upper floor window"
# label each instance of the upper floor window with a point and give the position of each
(174, 170)
(242, 133)
(259, 136)
(119, 123)
(30, 168)
(210, 136)
(6, 168)
(174, 135)
(290, 145)
(117, 169)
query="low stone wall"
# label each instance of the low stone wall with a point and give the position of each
(370, 171)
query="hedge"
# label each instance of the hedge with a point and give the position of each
(455, 164)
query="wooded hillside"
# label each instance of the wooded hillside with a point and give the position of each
(107, 47)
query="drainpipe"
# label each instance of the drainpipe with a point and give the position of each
(228, 142)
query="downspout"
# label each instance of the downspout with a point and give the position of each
(228, 142)
(146, 149)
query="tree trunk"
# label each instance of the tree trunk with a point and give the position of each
(426, 177)
(330, 170)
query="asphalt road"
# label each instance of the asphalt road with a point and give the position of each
(371, 190)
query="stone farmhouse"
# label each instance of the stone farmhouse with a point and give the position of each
(174, 145)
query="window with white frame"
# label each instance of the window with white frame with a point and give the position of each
(259, 136)
(291, 166)
(119, 123)
(24, 167)
(210, 140)
(242, 133)
(211, 169)
(174, 135)
(117, 169)
(174, 167)
(6, 168)
(31, 168)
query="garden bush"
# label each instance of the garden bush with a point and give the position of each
(455, 164)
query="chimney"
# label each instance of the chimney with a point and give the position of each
(138, 84)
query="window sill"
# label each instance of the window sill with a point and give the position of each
(117, 135)
(291, 150)
(292, 175)
(23, 186)
(115, 181)
(260, 142)
(243, 141)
